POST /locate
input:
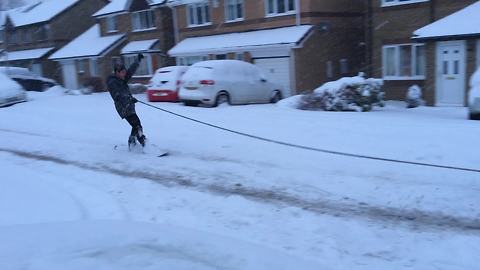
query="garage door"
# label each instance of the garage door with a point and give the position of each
(276, 69)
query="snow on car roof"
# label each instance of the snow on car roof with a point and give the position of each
(39, 11)
(460, 23)
(88, 44)
(288, 36)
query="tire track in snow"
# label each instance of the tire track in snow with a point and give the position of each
(411, 218)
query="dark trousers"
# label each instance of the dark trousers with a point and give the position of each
(134, 121)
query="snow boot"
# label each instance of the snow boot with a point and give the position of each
(140, 137)
(131, 142)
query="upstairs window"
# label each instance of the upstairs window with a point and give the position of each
(280, 7)
(386, 3)
(111, 24)
(143, 20)
(2, 36)
(41, 33)
(233, 10)
(13, 37)
(198, 14)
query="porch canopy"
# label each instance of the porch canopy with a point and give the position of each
(284, 37)
(87, 45)
(141, 46)
(24, 54)
(461, 24)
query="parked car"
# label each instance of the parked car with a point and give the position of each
(165, 84)
(27, 79)
(10, 91)
(215, 82)
(474, 96)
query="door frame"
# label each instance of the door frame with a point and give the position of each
(438, 71)
(72, 82)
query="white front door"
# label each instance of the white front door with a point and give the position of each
(69, 75)
(37, 69)
(451, 68)
(277, 70)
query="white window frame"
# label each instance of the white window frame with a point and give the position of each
(478, 53)
(195, 23)
(413, 68)
(275, 8)
(137, 21)
(111, 23)
(234, 4)
(129, 59)
(389, 3)
(93, 67)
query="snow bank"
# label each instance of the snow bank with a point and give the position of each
(9, 88)
(119, 245)
(290, 102)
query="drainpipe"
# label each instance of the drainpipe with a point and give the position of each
(175, 24)
(299, 12)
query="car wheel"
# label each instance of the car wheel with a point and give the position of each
(474, 116)
(222, 99)
(190, 103)
(276, 97)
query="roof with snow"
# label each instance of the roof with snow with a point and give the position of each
(88, 44)
(115, 6)
(39, 11)
(139, 46)
(461, 23)
(24, 55)
(119, 6)
(285, 36)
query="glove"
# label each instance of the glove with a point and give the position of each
(140, 57)
(134, 100)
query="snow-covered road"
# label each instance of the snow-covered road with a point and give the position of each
(316, 210)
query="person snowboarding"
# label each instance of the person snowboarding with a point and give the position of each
(117, 84)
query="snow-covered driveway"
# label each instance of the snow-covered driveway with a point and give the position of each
(58, 158)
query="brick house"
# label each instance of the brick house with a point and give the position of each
(33, 32)
(299, 43)
(411, 45)
(123, 29)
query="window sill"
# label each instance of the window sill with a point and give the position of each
(144, 30)
(416, 78)
(403, 3)
(112, 31)
(199, 25)
(142, 76)
(272, 15)
(236, 20)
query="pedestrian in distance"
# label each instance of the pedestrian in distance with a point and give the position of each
(117, 84)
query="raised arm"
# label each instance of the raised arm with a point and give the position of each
(133, 68)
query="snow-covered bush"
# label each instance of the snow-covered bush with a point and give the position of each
(414, 97)
(474, 96)
(346, 94)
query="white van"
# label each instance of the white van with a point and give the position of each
(227, 81)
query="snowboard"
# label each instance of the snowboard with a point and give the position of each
(149, 149)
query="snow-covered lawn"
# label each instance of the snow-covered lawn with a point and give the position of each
(68, 200)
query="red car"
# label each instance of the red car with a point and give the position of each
(165, 84)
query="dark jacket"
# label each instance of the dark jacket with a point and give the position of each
(120, 92)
